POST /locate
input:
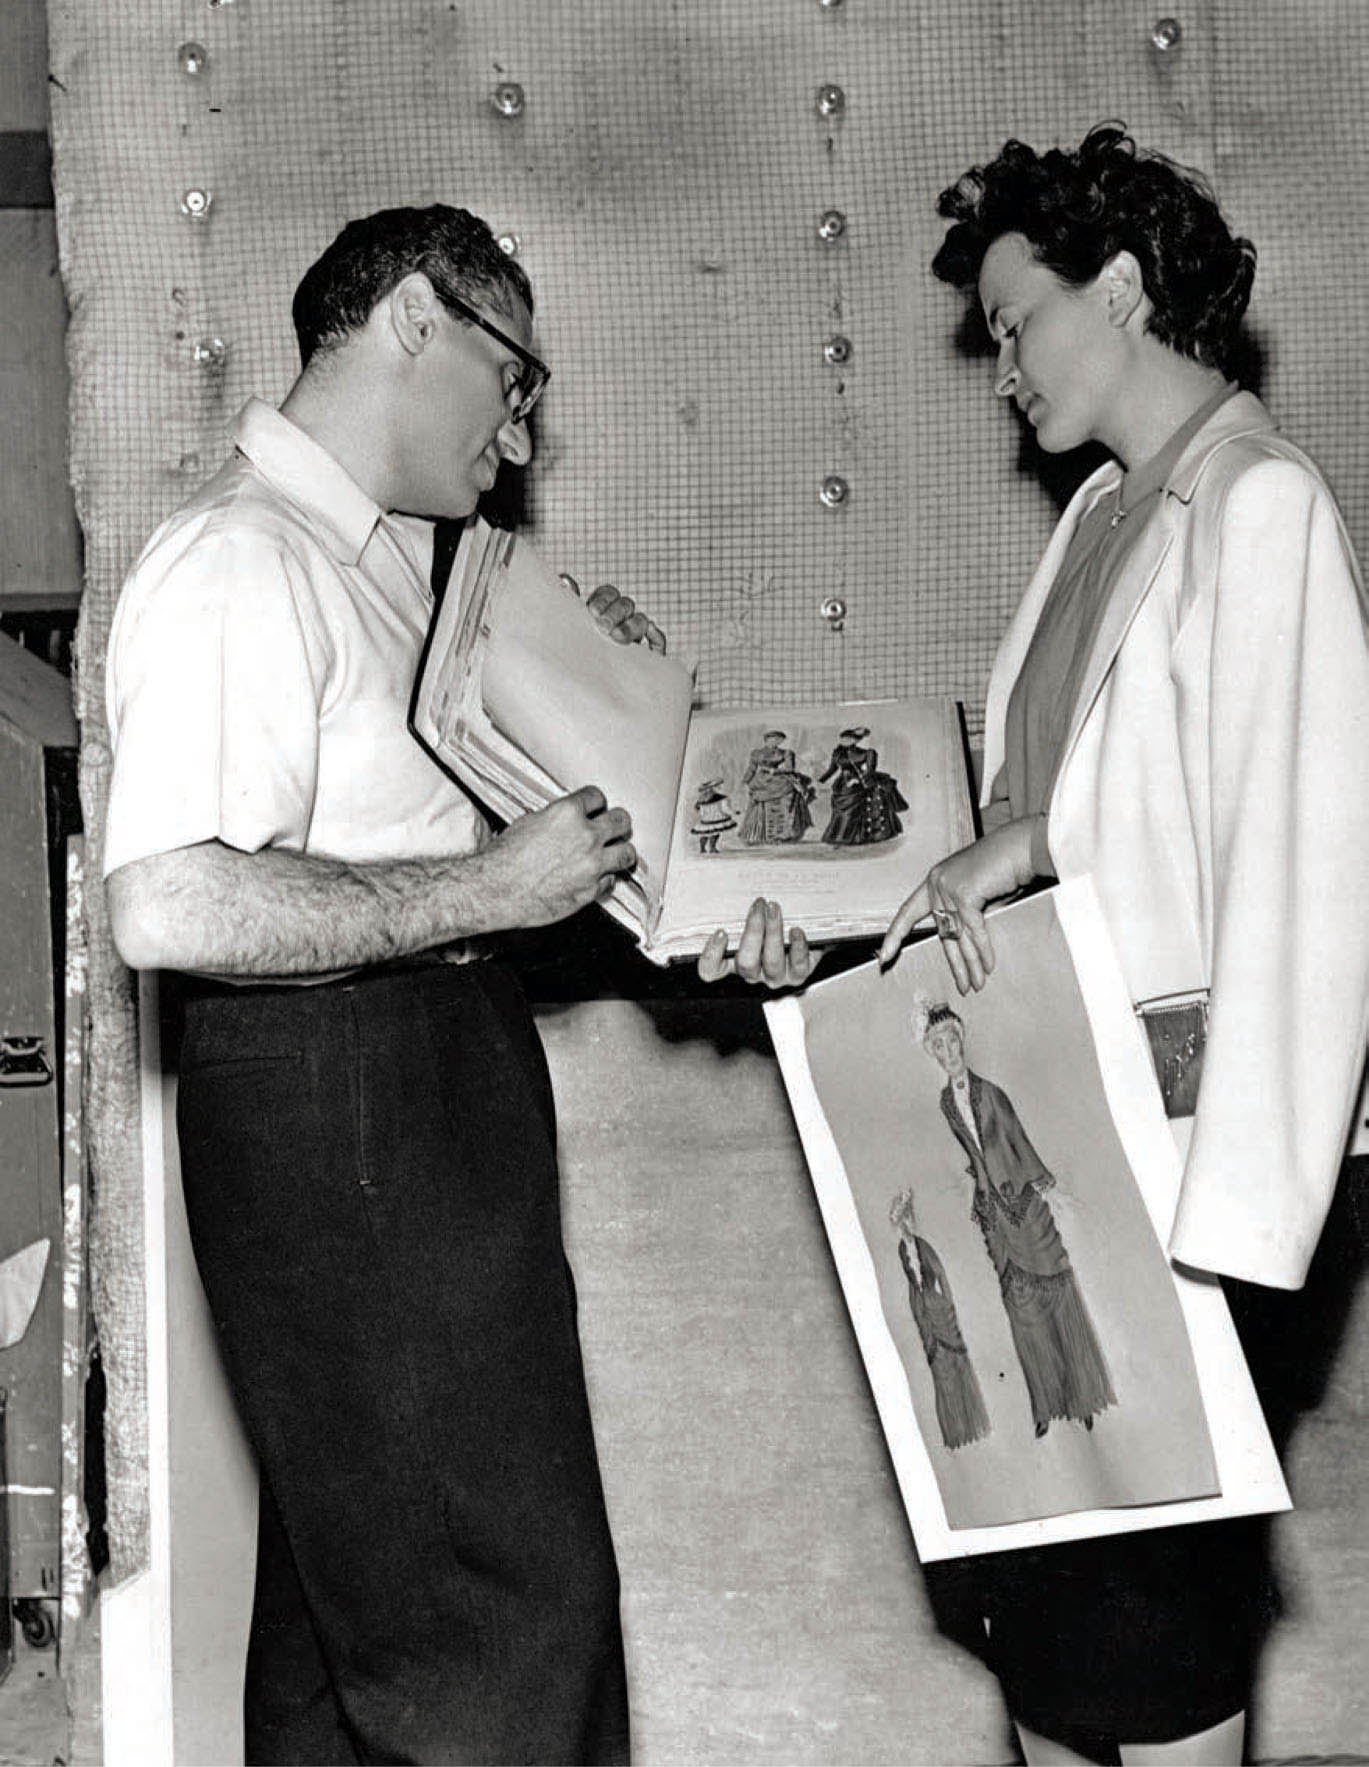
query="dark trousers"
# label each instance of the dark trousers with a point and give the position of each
(371, 1183)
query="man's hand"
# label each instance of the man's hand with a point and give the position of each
(558, 860)
(618, 616)
(763, 953)
(955, 891)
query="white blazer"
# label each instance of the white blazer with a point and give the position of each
(1214, 785)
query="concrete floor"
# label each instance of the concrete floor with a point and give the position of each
(35, 1730)
(50, 1717)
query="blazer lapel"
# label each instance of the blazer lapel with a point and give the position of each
(1128, 595)
(1242, 414)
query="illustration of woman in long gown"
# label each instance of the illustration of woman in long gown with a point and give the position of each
(865, 802)
(960, 1412)
(778, 794)
(1052, 1333)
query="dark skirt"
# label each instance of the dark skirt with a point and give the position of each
(1140, 1637)
(1145, 1637)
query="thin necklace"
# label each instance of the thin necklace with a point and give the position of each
(1119, 514)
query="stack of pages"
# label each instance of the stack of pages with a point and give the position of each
(835, 811)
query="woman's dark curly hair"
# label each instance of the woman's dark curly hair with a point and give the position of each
(1076, 208)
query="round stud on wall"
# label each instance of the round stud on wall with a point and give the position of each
(509, 244)
(831, 226)
(1166, 34)
(833, 610)
(834, 491)
(838, 350)
(508, 98)
(209, 352)
(196, 204)
(829, 5)
(830, 101)
(192, 59)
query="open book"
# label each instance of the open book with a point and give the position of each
(835, 811)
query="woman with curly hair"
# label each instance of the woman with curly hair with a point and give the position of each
(1180, 708)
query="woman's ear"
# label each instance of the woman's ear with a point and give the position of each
(1123, 288)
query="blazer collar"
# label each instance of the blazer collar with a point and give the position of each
(1241, 415)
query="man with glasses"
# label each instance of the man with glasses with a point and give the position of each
(365, 1122)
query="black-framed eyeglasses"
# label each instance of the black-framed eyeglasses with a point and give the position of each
(524, 392)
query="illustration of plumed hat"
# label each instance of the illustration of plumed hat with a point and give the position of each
(928, 1012)
(855, 733)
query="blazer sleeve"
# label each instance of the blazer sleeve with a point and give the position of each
(1287, 827)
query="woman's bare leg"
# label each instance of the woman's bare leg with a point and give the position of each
(1042, 1752)
(1222, 1746)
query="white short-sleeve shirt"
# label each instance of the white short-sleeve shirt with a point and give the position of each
(260, 668)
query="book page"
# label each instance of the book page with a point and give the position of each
(588, 710)
(835, 811)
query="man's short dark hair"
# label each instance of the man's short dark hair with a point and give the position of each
(1078, 207)
(453, 248)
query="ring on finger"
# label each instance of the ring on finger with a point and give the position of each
(947, 923)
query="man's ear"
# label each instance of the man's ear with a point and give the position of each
(1123, 289)
(411, 310)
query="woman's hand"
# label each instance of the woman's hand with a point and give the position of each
(763, 952)
(955, 892)
(618, 615)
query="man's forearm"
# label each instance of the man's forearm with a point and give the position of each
(217, 911)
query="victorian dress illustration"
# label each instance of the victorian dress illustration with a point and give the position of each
(960, 1409)
(778, 794)
(865, 802)
(1052, 1333)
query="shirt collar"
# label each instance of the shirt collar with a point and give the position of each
(309, 477)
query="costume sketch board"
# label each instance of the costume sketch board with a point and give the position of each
(1094, 1388)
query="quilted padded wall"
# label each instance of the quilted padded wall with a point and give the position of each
(664, 180)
